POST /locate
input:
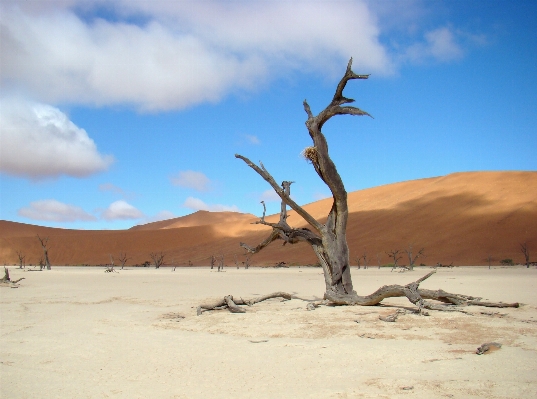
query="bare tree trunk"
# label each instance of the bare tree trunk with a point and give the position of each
(21, 257)
(44, 243)
(526, 252)
(328, 240)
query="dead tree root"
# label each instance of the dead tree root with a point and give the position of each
(445, 301)
(232, 304)
(6, 280)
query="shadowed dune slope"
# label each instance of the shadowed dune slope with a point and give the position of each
(461, 218)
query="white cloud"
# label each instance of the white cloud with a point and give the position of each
(54, 211)
(192, 179)
(320, 196)
(39, 141)
(162, 215)
(198, 205)
(269, 195)
(439, 44)
(252, 139)
(121, 210)
(188, 52)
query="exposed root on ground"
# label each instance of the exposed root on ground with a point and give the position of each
(6, 280)
(445, 301)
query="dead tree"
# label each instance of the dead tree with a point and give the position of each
(328, 240)
(110, 268)
(526, 252)
(123, 259)
(412, 259)
(359, 262)
(6, 280)
(158, 259)
(221, 264)
(213, 261)
(44, 243)
(394, 253)
(247, 261)
(364, 257)
(378, 259)
(236, 261)
(21, 257)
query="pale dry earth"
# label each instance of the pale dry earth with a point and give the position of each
(80, 332)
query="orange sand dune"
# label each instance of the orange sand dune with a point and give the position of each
(461, 218)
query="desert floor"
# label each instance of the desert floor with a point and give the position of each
(80, 332)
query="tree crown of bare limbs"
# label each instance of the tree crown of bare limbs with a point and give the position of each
(328, 240)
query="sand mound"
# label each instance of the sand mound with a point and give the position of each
(462, 218)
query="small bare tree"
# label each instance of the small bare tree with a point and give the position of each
(412, 258)
(123, 259)
(158, 259)
(213, 261)
(236, 261)
(221, 264)
(21, 257)
(44, 243)
(247, 261)
(526, 252)
(394, 254)
(359, 262)
(364, 257)
(378, 259)
(489, 260)
(110, 268)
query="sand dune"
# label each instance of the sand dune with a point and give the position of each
(461, 218)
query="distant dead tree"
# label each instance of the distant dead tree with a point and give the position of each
(123, 259)
(378, 259)
(236, 261)
(364, 257)
(394, 254)
(489, 260)
(247, 261)
(221, 264)
(213, 261)
(110, 268)
(412, 258)
(526, 252)
(359, 262)
(328, 240)
(158, 259)
(44, 243)
(21, 257)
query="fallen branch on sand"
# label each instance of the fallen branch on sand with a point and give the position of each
(228, 302)
(6, 280)
(448, 301)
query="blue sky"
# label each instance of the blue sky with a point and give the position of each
(119, 113)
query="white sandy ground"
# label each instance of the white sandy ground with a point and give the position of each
(80, 332)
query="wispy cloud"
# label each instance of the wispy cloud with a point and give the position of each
(162, 215)
(51, 210)
(192, 179)
(252, 139)
(121, 210)
(39, 141)
(269, 195)
(439, 45)
(198, 205)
